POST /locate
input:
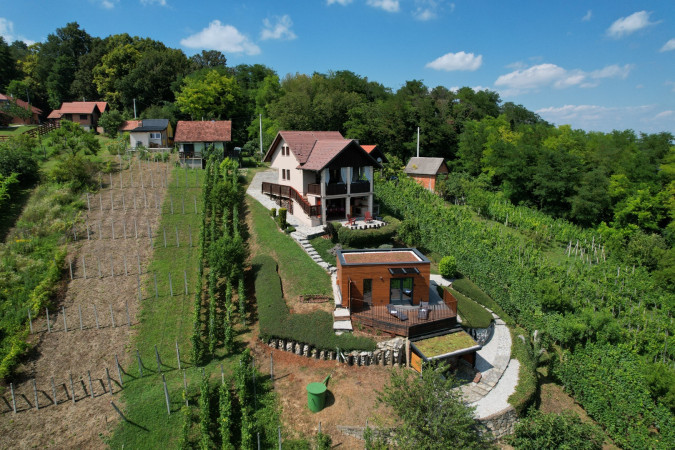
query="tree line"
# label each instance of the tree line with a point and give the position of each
(622, 183)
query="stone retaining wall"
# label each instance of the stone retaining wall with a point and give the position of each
(389, 353)
(482, 335)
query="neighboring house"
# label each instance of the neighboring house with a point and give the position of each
(322, 176)
(376, 153)
(84, 113)
(390, 290)
(150, 133)
(5, 102)
(193, 138)
(425, 170)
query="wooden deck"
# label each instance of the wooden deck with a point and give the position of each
(439, 317)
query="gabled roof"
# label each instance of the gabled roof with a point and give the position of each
(425, 166)
(129, 125)
(56, 114)
(375, 152)
(301, 143)
(102, 106)
(152, 125)
(21, 103)
(314, 150)
(80, 107)
(211, 131)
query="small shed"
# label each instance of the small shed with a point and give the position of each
(448, 348)
(425, 170)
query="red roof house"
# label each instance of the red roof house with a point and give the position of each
(194, 138)
(322, 175)
(6, 100)
(84, 113)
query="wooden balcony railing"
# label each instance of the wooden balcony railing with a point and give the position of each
(336, 189)
(288, 192)
(360, 186)
(314, 189)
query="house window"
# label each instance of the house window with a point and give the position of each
(84, 117)
(155, 135)
(285, 174)
(401, 291)
(368, 290)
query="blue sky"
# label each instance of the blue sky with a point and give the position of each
(598, 65)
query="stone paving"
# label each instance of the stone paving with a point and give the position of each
(499, 373)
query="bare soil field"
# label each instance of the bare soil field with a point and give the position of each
(98, 310)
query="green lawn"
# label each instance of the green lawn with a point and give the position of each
(473, 315)
(299, 273)
(322, 246)
(163, 321)
(15, 130)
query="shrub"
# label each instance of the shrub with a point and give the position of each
(16, 156)
(282, 218)
(77, 171)
(448, 267)
(372, 237)
(273, 212)
(526, 390)
(473, 315)
(565, 430)
(275, 320)
(289, 229)
(323, 441)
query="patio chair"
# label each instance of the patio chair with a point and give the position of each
(391, 310)
(401, 314)
(368, 217)
(423, 314)
(351, 220)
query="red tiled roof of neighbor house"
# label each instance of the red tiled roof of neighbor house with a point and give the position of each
(78, 107)
(369, 148)
(130, 125)
(207, 131)
(56, 114)
(102, 106)
(21, 103)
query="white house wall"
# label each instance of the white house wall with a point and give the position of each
(289, 163)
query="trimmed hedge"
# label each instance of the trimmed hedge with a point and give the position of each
(473, 315)
(275, 320)
(370, 238)
(468, 288)
(527, 388)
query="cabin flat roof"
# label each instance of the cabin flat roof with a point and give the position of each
(446, 345)
(378, 256)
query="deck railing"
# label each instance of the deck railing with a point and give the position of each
(291, 193)
(408, 322)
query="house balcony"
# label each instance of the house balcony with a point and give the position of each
(404, 321)
(339, 188)
(359, 187)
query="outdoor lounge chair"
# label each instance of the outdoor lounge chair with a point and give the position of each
(351, 220)
(401, 314)
(368, 217)
(391, 310)
(423, 314)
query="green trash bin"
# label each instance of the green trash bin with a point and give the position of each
(316, 396)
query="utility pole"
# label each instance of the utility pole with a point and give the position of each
(418, 142)
(261, 150)
(134, 108)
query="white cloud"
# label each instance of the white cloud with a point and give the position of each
(387, 5)
(604, 118)
(341, 2)
(109, 4)
(664, 114)
(7, 32)
(279, 30)
(429, 9)
(543, 75)
(154, 2)
(456, 61)
(630, 24)
(668, 46)
(588, 16)
(224, 38)
(613, 71)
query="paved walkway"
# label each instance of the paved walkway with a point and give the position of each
(499, 373)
